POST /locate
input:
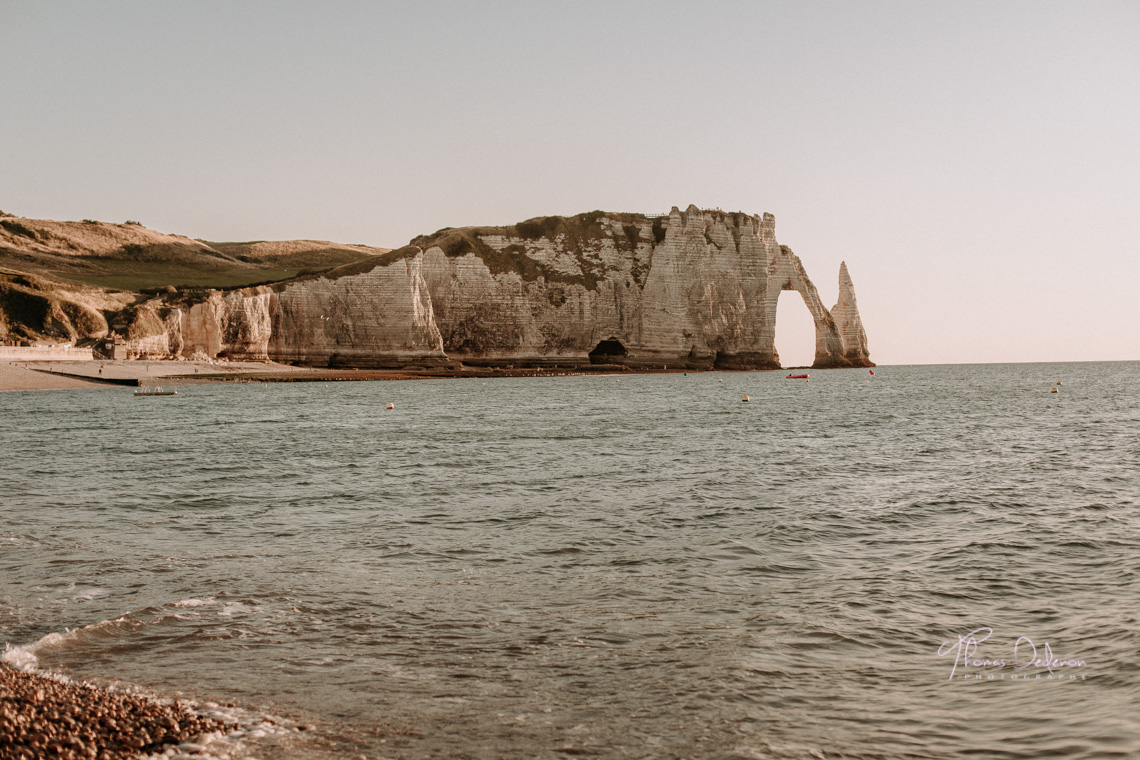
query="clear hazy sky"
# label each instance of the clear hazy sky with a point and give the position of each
(976, 164)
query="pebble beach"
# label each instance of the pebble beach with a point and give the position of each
(41, 717)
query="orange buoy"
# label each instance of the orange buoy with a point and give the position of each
(1053, 390)
(390, 405)
(745, 398)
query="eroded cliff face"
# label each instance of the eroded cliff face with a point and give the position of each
(378, 318)
(694, 289)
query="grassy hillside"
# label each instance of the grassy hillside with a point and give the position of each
(66, 281)
(131, 257)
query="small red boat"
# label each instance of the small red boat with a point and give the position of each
(797, 377)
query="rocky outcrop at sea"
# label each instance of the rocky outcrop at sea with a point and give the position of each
(693, 288)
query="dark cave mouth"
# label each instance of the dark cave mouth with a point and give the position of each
(608, 352)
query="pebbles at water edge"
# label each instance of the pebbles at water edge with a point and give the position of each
(44, 718)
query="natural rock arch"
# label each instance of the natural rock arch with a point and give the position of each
(795, 332)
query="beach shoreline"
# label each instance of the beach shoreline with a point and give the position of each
(51, 375)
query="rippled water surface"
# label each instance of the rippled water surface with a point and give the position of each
(580, 566)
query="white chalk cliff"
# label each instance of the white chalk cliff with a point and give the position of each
(694, 289)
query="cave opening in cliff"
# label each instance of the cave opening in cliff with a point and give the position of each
(608, 352)
(795, 331)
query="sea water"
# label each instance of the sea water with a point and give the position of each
(926, 562)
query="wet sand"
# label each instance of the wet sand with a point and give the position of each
(14, 376)
(41, 717)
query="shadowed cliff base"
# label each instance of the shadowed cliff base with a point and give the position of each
(694, 289)
(746, 361)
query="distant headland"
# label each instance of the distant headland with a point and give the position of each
(690, 289)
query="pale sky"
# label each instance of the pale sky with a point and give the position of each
(977, 164)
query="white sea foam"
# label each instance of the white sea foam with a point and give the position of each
(26, 656)
(87, 596)
(22, 657)
(193, 602)
(218, 746)
(234, 607)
